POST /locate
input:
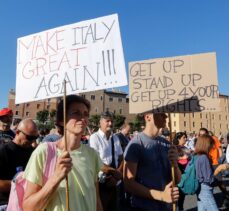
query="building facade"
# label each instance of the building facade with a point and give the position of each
(217, 122)
(103, 100)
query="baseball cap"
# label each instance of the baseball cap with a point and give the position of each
(6, 111)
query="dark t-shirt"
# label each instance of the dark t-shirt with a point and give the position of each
(11, 157)
(153, 170)
(6, 136)
(123, 140)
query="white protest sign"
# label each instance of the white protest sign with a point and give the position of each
(88, 55)
(175, 84)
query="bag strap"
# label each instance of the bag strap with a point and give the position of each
(50, 163)
(113, 165)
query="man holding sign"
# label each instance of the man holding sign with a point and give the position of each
(147, 167)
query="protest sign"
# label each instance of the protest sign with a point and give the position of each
(176, 84)
(88, 55)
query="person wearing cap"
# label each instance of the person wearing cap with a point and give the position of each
(147, 167)
(15, 154)
(109, 148)
(6, 134)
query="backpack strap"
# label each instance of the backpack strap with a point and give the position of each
(51, 158)
(113, 165)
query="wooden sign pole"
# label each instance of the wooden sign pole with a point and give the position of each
(172, 166)
(66, 148)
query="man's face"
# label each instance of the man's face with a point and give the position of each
(106, 124)
(5, 122)
(126, 130)
(27, 135)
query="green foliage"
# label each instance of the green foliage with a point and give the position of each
(52, 114)
(118, 121)
(42, 116)
(46, 119)
(138, 123)
(94, 121)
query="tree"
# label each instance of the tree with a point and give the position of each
(42, 116)
(118, 121)
(94, 121)
(138, 123)
(52, 115)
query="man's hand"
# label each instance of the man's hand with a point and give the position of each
(220, 168)
(111, 181)
(117, 174)
(170, 194)
(173, 155)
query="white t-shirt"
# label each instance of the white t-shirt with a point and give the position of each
(101, 144)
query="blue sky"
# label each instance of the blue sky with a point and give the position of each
(149, 29)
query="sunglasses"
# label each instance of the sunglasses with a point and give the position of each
(29, 137)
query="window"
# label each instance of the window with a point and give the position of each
(201, 124)
(27, 104)
(213, 116)
(114, 111)
(219, 117)
(120, 111)
(220, 126)
(193, 115)
(127, 100)
(201, 115)
(119, 100)
(16, 112)
(226, 117)
(107, 109)
(38, 106)
(174, 115)
(17, 105)
(92, 97)
(83, 96)
(27, 113)
(184, 114)
(110, 99)
(184, 123)
(174, 123)
(48, 106)
(193, 124)
(96, 110)
(101, 97)
(206, 116)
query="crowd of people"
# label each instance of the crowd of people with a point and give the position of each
(105, 170)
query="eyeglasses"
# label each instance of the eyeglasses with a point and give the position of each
(29, 137)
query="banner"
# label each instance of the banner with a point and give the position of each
(88, 55)
(175, 84)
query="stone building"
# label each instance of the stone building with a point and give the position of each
(217, 122)
(118, 103)
(102, 100)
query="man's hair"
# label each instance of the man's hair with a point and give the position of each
(70, 99)
(106, 115)
(204, 144)
(125, 124)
